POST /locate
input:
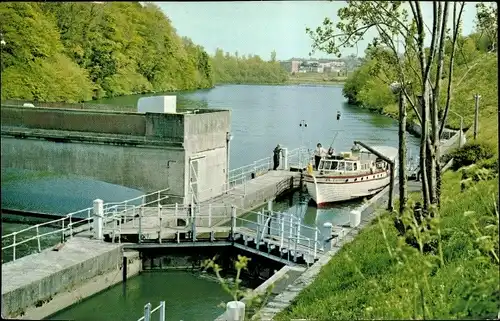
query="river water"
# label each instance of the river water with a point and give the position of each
(262, 116)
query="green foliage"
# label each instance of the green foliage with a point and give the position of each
(471, 153)
(247, 70)
(379, 276)
(394, 56)
(76, 51)
(253, 301)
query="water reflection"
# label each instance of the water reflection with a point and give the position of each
(54, 193)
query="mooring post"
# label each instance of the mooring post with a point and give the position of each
(270, 206)
(98, 218)
(233, 221)
(327, 236)
(235, 311)
(354, 218)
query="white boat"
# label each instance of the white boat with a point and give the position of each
(350, 175)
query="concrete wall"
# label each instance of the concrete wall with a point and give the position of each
(63, 276)
(74, 120)
(205, 140)
(146, 169)
(212, 167)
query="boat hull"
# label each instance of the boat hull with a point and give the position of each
(331, 190)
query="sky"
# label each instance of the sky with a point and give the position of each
(259, 27)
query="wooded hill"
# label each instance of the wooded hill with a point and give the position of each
(78, 51)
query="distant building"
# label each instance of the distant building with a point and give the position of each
(295, 66)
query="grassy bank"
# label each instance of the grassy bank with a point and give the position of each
(315, 78)
(379, 276)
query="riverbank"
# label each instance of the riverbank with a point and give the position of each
(370, 278)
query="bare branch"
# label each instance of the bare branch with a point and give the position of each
(456, 24)
(349, 36)
(435, 23)
(399, 22)
(439, 73)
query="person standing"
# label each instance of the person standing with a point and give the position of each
(318, 154)
(276, 156)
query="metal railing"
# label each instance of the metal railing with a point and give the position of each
(148, 312)
(117, 213)
(69, 225)
(295, 157)
(286, 229)
(298, 157)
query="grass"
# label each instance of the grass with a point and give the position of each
(315, 78)
(379, 276)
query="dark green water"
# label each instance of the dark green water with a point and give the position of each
(187, 297)
(262, 116)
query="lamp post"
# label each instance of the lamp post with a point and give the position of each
(229, 137)
(302, 125)
(461, 128)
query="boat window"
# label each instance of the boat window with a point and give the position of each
(348, 166)
(334, 165)
(355, 166)
(325, 165)
(341, 166)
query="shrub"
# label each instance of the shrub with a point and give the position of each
(471, 153)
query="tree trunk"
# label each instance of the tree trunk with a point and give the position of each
(403, 189)
(423, 148)
(435, 137)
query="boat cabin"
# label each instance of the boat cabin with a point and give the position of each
(354, 162)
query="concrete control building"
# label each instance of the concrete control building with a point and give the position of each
(150, 150)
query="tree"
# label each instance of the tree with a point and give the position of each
(273, 56)
(487, 23)
(418, 69)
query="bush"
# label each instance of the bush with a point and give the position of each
(471, 153)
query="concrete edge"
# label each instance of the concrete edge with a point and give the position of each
(264, 286)
(85, 290)
(285, 298)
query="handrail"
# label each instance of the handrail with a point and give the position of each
(148, 312)
(67, 223)
(114, 210)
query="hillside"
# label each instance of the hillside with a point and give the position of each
(476, 71)
(79, 51)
